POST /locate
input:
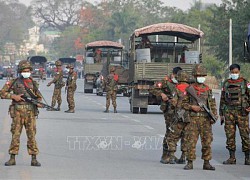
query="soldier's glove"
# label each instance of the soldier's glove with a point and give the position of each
(48, 84)
(222, 120)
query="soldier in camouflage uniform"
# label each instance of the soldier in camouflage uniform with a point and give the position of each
(166, 90)
(234, 110)
(59, 83)
(200, 123)
(71, 88)
(181, 118)
(110, 84)
(21, 112)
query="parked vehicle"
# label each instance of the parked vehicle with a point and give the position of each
(39, 66)
(154, 51)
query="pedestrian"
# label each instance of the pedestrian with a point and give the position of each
(200, 122)
(234, 111)
(181, 119)
(59, 84)
(166, 90)
(71, 88)
(22, 113)
(110, 85)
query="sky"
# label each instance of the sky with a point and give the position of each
(182, 4)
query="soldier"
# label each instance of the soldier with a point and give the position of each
(110, 84)
(59, 83)
(178, 126)
(167, 91)
(71, 88)
(200, 122)
(21, 112)
(234, 110)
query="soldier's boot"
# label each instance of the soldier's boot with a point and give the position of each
(58, 107)
(12, 161)
(34, 161)
(106, 110)
(231, 159)
(172, 158)
(247, 160)
(208, 166)
(165, 157)
(182, 159)
(115, 111)
(189, 165)
(70, 111)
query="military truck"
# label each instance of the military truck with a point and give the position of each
(65, 61)
(39, 66)
(154, 51)
(100, 55)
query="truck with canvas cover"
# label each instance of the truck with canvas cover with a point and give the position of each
(100, 55)
(65, 61)
(154, 51)
(39, 66)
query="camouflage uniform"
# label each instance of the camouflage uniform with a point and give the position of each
(111, 88)
(168, 88)
(179, 125)
(235, 98)
(59, 83)
(200, 124)
(71, 88)
(23, 114)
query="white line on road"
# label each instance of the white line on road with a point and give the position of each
(149, 127)
(135, 120)
(125, 116)
(161, 135)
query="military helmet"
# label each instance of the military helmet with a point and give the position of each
(112, 69)
(24, 64)
(58, 63)
(199, 70)
(182, 76)
(70, 66)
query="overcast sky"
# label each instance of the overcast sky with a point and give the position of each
(182, 4)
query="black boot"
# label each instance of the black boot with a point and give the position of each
(189, 165)
(182, 159)
(247, 160)
(208, 166)
(165, 157)
(107, 110)
(70, 111)
(34, 161)
(12, 161)
(231, 159)
(58, 107)
(115, 111)
(172, 158)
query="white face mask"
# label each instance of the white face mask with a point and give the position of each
(25, 74)
(201, 80)
(234, 76)
(174, 80)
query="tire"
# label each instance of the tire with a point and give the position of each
(144, 110)
(135, 110)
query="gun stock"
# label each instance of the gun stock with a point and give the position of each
(192, 92)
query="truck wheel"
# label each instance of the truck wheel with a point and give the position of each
(135, 110)
(144, 110)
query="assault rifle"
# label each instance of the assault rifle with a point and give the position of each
(36, 102)
(192, 92)
(179, 116)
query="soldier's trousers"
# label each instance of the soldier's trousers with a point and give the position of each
(234, 118)
(57, 97)
(111, 95)
(177, 133)
(26, 118)
(199, 126)
(70, 98)
(168, 120)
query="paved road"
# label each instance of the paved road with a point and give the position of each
(90, 144)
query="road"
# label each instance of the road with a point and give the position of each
(90, 144)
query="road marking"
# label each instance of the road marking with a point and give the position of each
(161, 135)
(125, 116)
(149, 127)
(135, 120)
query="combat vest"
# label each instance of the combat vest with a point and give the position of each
(59, 83)
(235, 93)
(111, 84)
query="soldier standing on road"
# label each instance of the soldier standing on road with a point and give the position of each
(110, 84)
(166, 90)
(177, 128)
(71, 88)
(21, 112)
(59, 83)
(200, 123)
(234, 111)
